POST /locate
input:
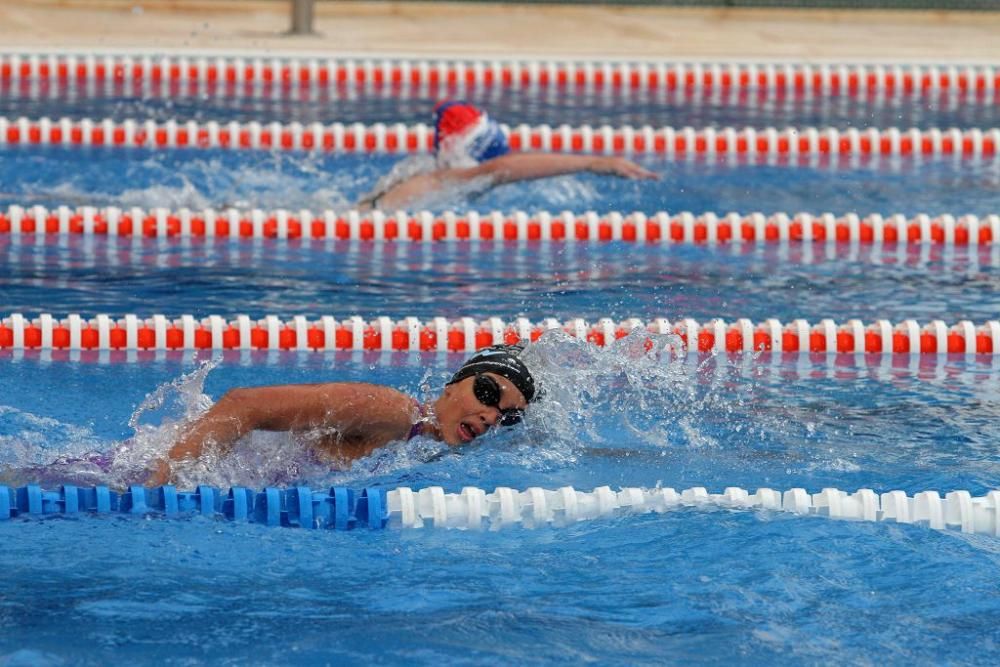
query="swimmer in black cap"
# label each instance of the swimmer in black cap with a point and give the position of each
(344, 421)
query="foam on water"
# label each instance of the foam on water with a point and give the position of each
(294, 180)
(635, 395)
(44, 450)
(191, 179)
(30, 439)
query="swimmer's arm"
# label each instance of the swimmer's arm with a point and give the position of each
(529, 166)
(354, 409)
(411, 190)
(505, 169)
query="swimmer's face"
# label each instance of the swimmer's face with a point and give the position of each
(463, 413)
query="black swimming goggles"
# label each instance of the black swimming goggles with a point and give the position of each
(487, 391)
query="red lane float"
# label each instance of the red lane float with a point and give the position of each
(662, 227)
(747, 143)
(466, 334)
(294, 71)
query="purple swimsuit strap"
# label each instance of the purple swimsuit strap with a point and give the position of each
(415, 429)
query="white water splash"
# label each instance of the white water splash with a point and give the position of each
(636, 396)
(267, 181)
(34, 439)
(635, 380)
(171, 406)
(45, 450)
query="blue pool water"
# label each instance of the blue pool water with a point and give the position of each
(507, 280)
(545, 105)
(718, 586)
(689, 586)
(197, 179)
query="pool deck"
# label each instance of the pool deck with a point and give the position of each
(475, 29)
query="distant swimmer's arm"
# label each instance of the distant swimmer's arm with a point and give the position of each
(529, 166)
(354, 409)
(505, 169)
(412, 190)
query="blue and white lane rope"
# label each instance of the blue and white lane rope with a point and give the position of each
(341, 508)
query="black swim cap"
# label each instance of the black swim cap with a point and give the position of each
(501, 360)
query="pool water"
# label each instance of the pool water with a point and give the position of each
(553, 106)
(711, 586)
(52, 176)
(502, 279)
(722, 585)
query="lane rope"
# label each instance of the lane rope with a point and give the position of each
(297, 71)
(341, 508)
(661, 227)
(748, 143)
(466, 334)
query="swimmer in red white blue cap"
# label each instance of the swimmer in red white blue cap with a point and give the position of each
(465, 135)
(471, 149)
(344, 421)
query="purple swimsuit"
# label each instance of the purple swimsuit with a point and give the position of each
(415, 429)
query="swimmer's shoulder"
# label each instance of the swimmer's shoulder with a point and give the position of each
(374, 399)
(404, 170)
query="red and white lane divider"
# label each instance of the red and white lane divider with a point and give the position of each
(478, 509)
(405, 139)
(662, 227)
(466, 334)
(291, 70)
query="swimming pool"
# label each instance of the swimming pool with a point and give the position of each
(701, 584)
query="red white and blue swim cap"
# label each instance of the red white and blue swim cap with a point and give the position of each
(465, 135)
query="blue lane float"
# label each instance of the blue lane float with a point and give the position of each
(298, 507)
(341, 508)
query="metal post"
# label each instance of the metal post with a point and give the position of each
(302, 17)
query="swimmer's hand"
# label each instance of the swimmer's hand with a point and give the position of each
(617, 166)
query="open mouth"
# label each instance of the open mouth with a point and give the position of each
(466, 432)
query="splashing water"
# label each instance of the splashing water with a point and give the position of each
(28, 439)
(261, 179)
(171, 405)
(260, 458)
(640, 393)
(636, 381)
(191, 180)
(638, 384)
(81, 458)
